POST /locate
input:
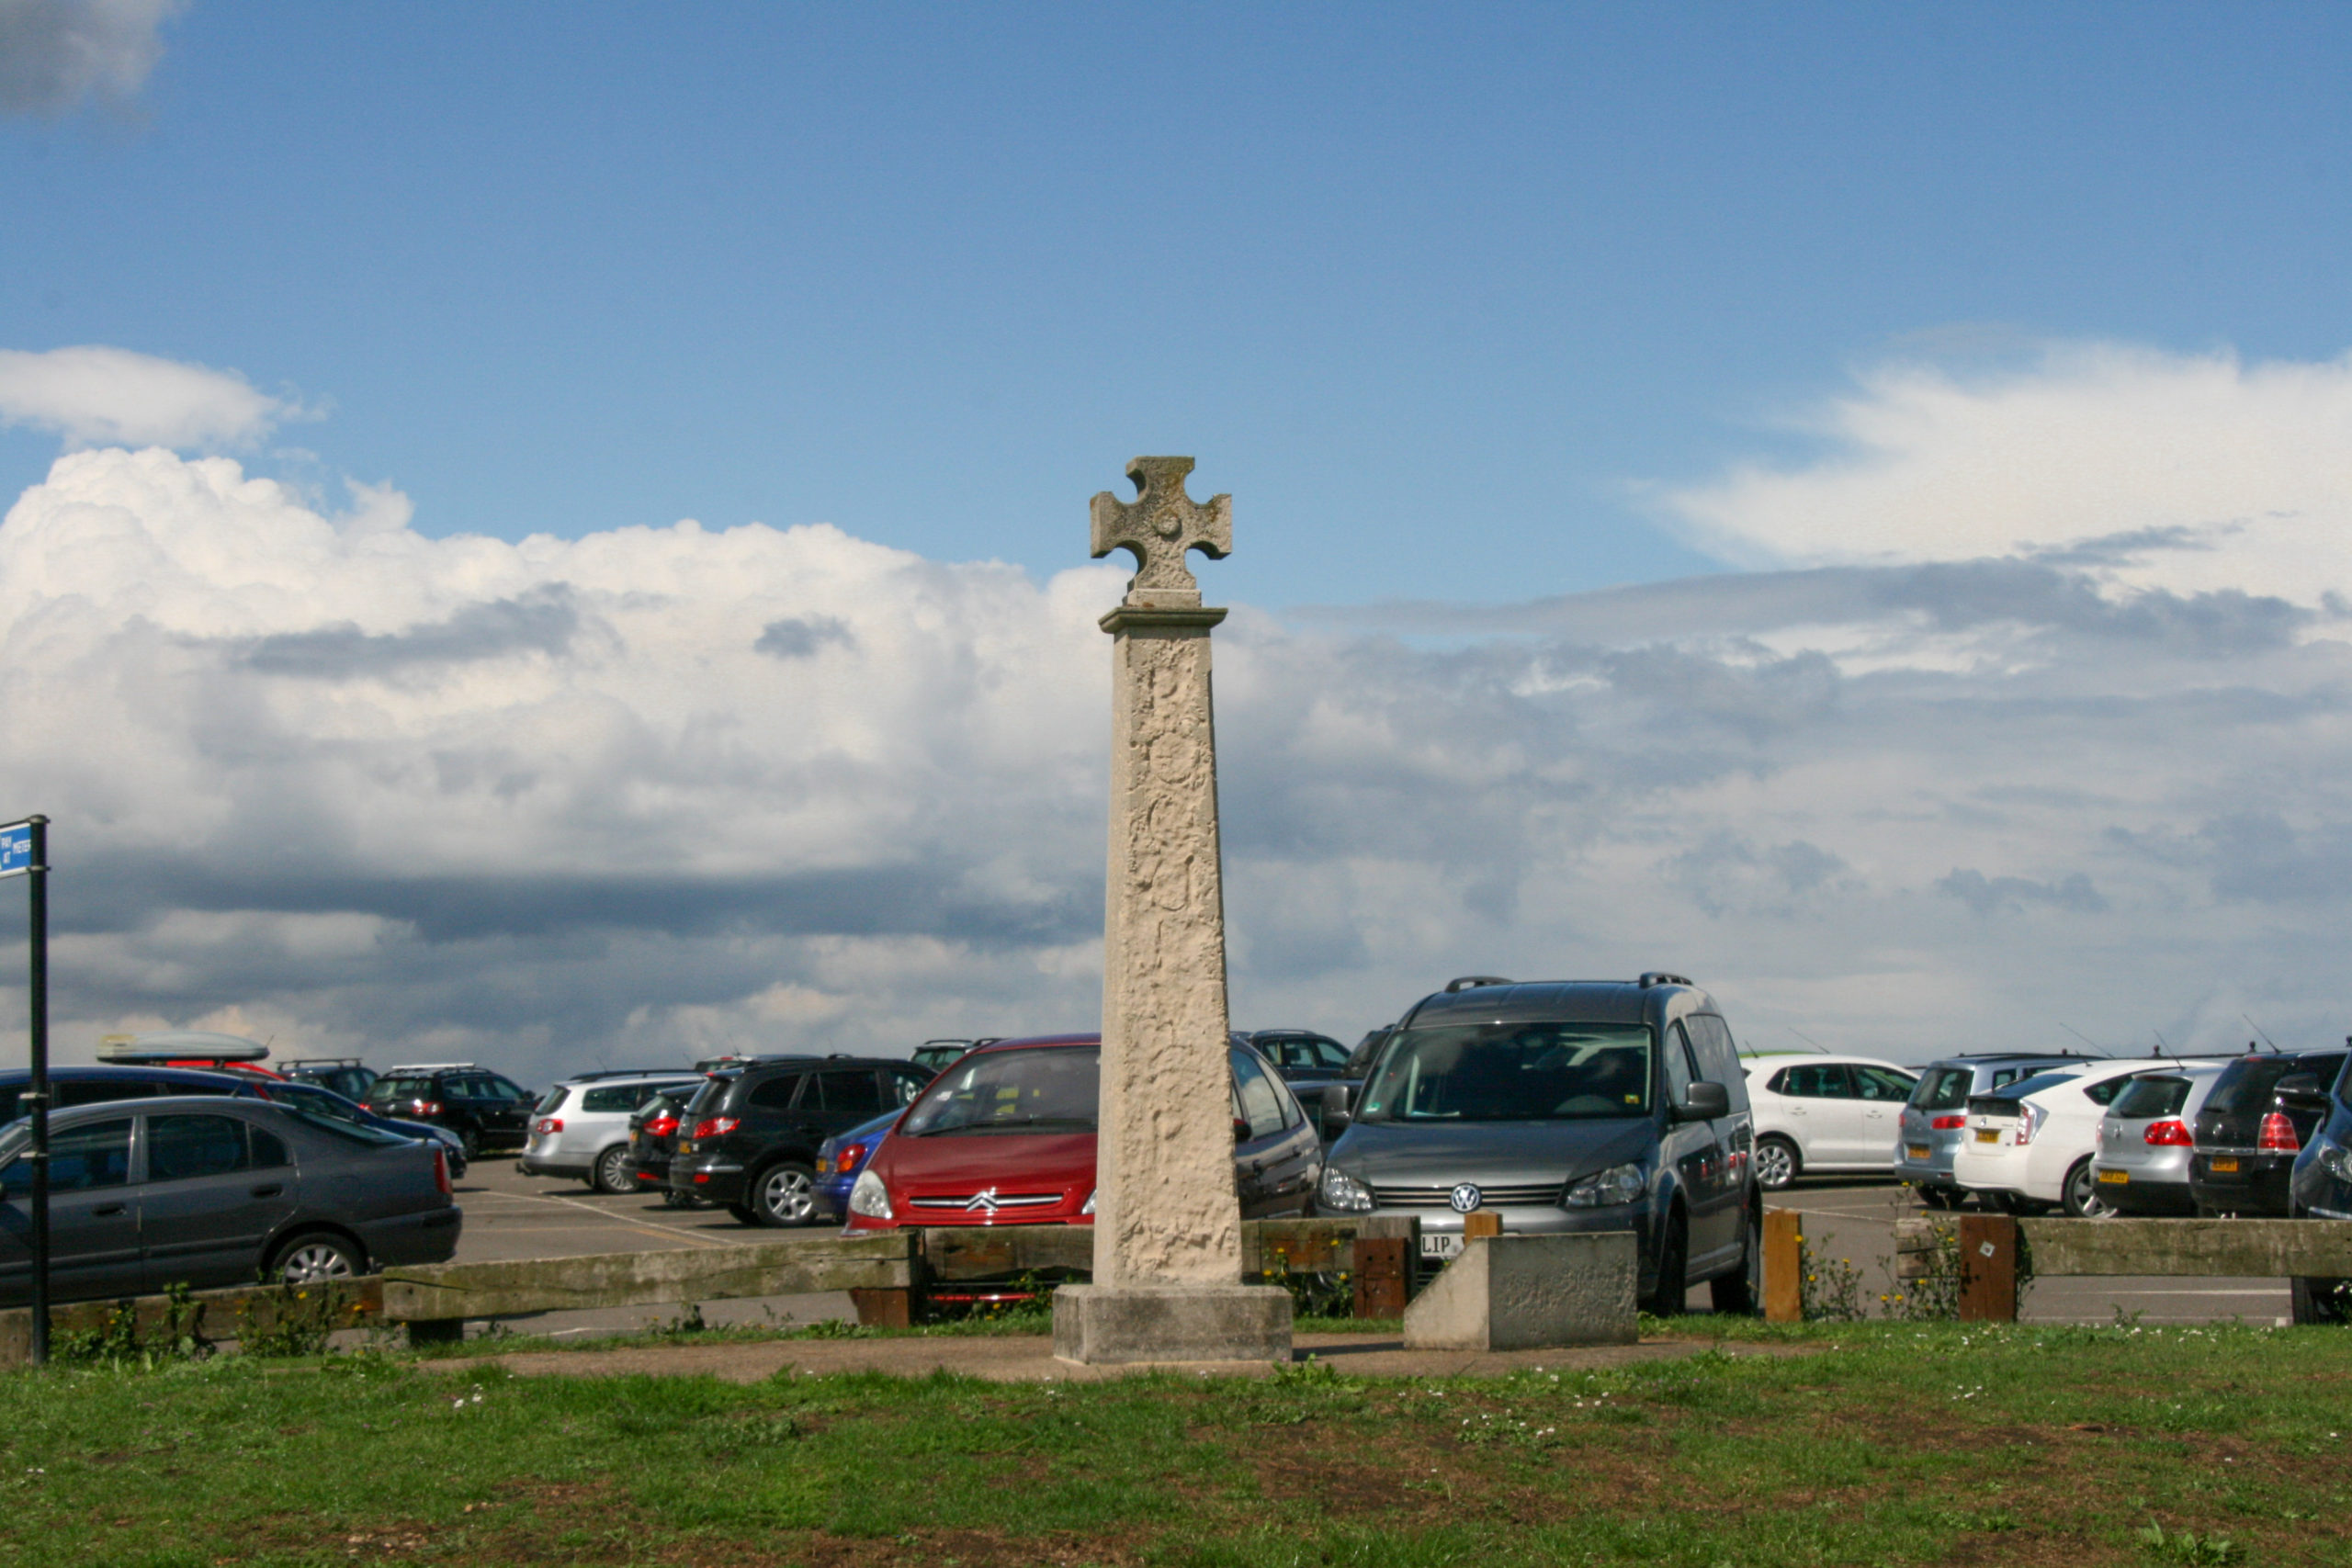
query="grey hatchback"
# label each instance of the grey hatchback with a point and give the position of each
(1612, 1105)
(145, 1193)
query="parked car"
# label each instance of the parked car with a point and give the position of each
(1007, 1136)
(1302, 1057)
(486, 1111)
(1935, 1119)
(841, 1157)
(752, 1144)
(2246, 1140)
(346, 1076)
(653, 1137)
(1570, 1106)
(2029, 1144)
(933, 1056)
(2142, 1164)
(2321, 1185)
(92, 1085)
(145, 1193)
(580, 1128)
(322, 1102)
(1822, 1113)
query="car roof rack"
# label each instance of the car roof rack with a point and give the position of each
(169, 1044)
(292, 1062)
(1472, 982)
(436, 1067)
(595, 1073)
(1660, 978)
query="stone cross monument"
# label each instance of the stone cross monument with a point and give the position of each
(1167, 1280)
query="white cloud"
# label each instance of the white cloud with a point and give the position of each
(2192, 472)
(613, 799)
(100, 396)
(55, 54)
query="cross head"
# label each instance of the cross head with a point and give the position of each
(1160, 525)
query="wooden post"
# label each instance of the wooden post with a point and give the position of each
(883, 1309)
(1783, 1265)
(1383, 1273)
(1988, 1268)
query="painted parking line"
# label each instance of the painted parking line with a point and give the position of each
(648, 1227)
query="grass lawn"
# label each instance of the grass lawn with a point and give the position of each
(1876, 1444)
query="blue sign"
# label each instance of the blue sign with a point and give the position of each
(15, 849)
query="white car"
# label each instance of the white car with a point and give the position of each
(2028, 1147)
(1819, 1114)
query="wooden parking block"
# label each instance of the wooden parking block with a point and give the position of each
(1384, 1271)
(883, 1309)
(1988, 1268)
(1783, 1265)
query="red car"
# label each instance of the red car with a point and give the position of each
(1005, 1136)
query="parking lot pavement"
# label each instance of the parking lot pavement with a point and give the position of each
(1855, 1222)
(509, 1215)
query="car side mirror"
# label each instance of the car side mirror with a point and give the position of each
(2301, 1091)
(1703, 1102)
(1337, 1108)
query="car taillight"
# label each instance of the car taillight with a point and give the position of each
(2171, 1132)
(663, 1127)
(715, 1126)
(428, 1108)
(441, 1171)
(849, 1156)
(2278, 1134)
(1949, 1123)
(2030, 1120)
(547, 1125)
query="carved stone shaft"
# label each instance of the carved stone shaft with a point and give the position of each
(1165, 1208)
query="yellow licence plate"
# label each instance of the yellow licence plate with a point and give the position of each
(2226, 1163)
(1917, 1151)
(2115, 1177)
(1988, 1134)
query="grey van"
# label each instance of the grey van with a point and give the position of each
(1579, 1105)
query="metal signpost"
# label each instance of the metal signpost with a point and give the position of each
(24, 852)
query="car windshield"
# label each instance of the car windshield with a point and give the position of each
(2145, 1099)
(1048, 1090)
(2037, 1083)
(352, 1132)
(318, 1101)
(1514, 1072)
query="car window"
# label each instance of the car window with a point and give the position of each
(96, 1154)
(775, 1094)
(496, 1087)
(1719, 1057)
(1881, 1083)
(1680, 1070)
(387, 1090)
(349, 1132)
(905, 1087)
(181, 1148)
(1513, 1072)
(2105, 1091)
(311, 1098)
(844, 1092)
(1259, 1105)
(269, 1149)
(552, 1100)
(1943, 1088)
(2034, 1083)
(610, 1097)
(1050, 1088)
(2150, 1096)
(1814, 1080)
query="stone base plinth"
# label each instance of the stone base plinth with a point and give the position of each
(1111, 1325)
(1530, 1293)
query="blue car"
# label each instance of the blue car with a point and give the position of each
(842, 1156)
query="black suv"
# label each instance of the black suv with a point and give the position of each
(749, 1139)
(1576, 1105)
(2247, 1138)
(485, 1110)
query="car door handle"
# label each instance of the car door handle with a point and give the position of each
(106, 1211)
(271, 1191)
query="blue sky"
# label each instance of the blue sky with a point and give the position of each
(1848, 502)
(1438, 292)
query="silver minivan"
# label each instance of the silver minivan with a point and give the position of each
(1564, 1106)
(580, 1128)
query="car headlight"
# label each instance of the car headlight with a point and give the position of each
(2333, 1157)
(1089, 1204)
(1618, 1184)
(1341, 1190)
(867, 1196)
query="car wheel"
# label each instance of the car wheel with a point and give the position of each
(1933, 1197)
(1741, 1294)
(2319, 1301)
(2081, 1197)
(785, 1194)
(1777, 1163)
(316, 1260)
(613, 1174)
(1673, 1271)
(470, 1140)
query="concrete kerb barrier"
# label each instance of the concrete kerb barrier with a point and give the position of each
(1530, 1292)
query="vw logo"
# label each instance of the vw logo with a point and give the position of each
(1465, 1198)
(983, 1201)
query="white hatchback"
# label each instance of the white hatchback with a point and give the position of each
(1819, 1114)
(2028, 1147)
(580, 1128)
